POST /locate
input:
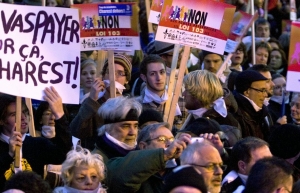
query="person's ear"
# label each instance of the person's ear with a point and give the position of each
(242, 167)
(143, 77)
(246, 93)
(142, 145)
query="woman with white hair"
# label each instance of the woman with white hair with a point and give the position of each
(82, 172)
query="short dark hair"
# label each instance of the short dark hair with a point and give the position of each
(260, 68)
(261, 21)
(267, 174)
(5, 101)
(242, 150)
(150, 59)
(28, 182)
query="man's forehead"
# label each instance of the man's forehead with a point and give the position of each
(264, 26)
(212, 57)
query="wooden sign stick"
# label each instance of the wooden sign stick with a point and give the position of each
(31, 121)
(182, 69)
(111, 69)
(171, 81)
(18, 129)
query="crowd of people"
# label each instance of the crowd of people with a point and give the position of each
(236, 132)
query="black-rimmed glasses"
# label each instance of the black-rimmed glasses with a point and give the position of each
(259, 90)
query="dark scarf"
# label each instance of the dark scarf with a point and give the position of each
(109, 148)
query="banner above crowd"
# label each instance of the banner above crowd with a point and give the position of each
(109, 26)
(39, 47)
(202, 24)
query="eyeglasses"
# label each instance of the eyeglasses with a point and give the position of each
(162, 139)
(212, 167)
(118, 73)
(296, 104)
(259, 90)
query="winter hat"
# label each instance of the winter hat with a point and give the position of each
(200, 126)
(150, 115)
(244, 80)
(123, 61)
(284, 141)
(159, 48)
(185, 175)
(205, 53)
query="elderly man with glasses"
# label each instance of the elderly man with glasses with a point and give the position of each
(250, 93)
(144, 170)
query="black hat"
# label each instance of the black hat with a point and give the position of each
(200, 126)
(284, 141)
(205, 53)
(244, 80)
(159, 48)
(185, 175)
(150, 115)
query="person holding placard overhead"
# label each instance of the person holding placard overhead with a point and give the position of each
(86, 122)
(35, 151)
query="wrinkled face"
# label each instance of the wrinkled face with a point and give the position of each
(261, 56)
(125, 131)
(258, 92)
(212, 178)
(256, 155)
(279, 86)
(295, 108)
(48, 118)
(191, 103)
(270, 83)
(185, 189)
(275, 60)
(85, 178)
(161, 138)
(88, 75)
(155, 77)
(212, 62)
(237, 57)
(263, 31)
(10, 120)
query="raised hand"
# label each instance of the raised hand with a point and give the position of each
(55, 102)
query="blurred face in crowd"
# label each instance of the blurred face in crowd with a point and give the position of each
(209, 165)
(8, 125)
(261, 56)
(125, 131)
(160, 138)
(279, 86)
(212, 62)
(191, 103)
(52, 3)
(257, 92)
(275, 60)
(48, 118)
(85, 177)
(237, 57)
(295, 107)
(120, 76)
(270, 83)
(88, 75)
(262, 30)
(168, 57)
(256, 154)
(155, 78)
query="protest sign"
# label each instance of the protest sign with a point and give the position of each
(108, 26)
(39, 47)
(293, 74)
(155, 11)
(241, 22)
(202, 24)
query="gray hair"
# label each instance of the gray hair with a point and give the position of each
(117, 109)
(192, 154)
(146, 132)
(81, 156)
(204, 86)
